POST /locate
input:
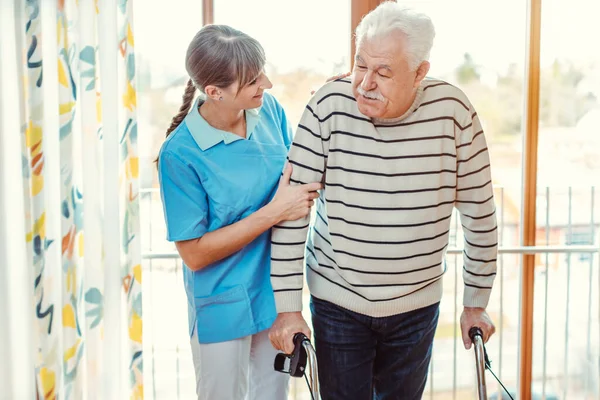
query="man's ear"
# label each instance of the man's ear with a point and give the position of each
(422, 72)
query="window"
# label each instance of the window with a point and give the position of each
(305, 42)
(479, 47)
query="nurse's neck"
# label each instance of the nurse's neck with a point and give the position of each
(223, 118)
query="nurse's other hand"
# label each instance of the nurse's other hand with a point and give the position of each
(338, 76)
(293, 202)
(284, 328)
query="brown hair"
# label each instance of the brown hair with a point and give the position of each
(218, 55)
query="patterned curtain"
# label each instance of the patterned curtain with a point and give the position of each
(77, 109)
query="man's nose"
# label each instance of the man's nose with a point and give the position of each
(368, 83)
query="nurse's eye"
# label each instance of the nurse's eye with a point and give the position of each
(256, 79)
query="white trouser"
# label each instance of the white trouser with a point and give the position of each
(240, 369)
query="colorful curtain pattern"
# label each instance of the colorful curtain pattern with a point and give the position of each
(64, 167)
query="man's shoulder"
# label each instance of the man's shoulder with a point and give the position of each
(335, 95)
(437, 90)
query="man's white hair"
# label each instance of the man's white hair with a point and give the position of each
(391, 17)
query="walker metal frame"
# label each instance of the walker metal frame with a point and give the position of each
(304, 358)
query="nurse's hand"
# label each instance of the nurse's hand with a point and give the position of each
(333, 78)
(292, 202)
(284, 328)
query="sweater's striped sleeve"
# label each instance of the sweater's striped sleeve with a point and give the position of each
(308, 158)
(475, 203)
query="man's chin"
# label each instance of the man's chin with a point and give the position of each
(370, 112)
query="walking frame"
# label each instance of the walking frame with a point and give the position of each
(304, 357)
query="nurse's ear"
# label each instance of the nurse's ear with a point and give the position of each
(213, 93)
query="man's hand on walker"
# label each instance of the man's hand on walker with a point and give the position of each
(284, 328)
(475, 316)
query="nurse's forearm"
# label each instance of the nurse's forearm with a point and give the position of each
(216, 245)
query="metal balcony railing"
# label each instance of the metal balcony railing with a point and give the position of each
(566, 348)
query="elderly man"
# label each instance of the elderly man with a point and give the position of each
(396, 152)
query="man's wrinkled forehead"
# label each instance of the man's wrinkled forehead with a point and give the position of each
(381, 38)
(390, 44)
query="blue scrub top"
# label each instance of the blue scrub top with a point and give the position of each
(210, 179)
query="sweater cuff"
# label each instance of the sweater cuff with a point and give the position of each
(475, 297)
(288, 301)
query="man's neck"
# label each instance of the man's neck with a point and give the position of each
(405, 107)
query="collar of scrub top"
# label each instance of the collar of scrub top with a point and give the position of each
(207, 136)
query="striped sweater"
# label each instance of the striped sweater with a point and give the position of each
(382, 223)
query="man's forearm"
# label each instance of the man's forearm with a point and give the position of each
(475, 203)
(287, 263)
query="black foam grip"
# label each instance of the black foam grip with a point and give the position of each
(475, 331)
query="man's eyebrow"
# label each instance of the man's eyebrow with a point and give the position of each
(358, 58)
(384, 66)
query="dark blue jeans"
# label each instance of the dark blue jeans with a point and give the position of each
(363, 358)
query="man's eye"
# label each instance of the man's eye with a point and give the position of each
(381, 75)
(361, 67)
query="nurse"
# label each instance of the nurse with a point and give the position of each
(222, 190)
